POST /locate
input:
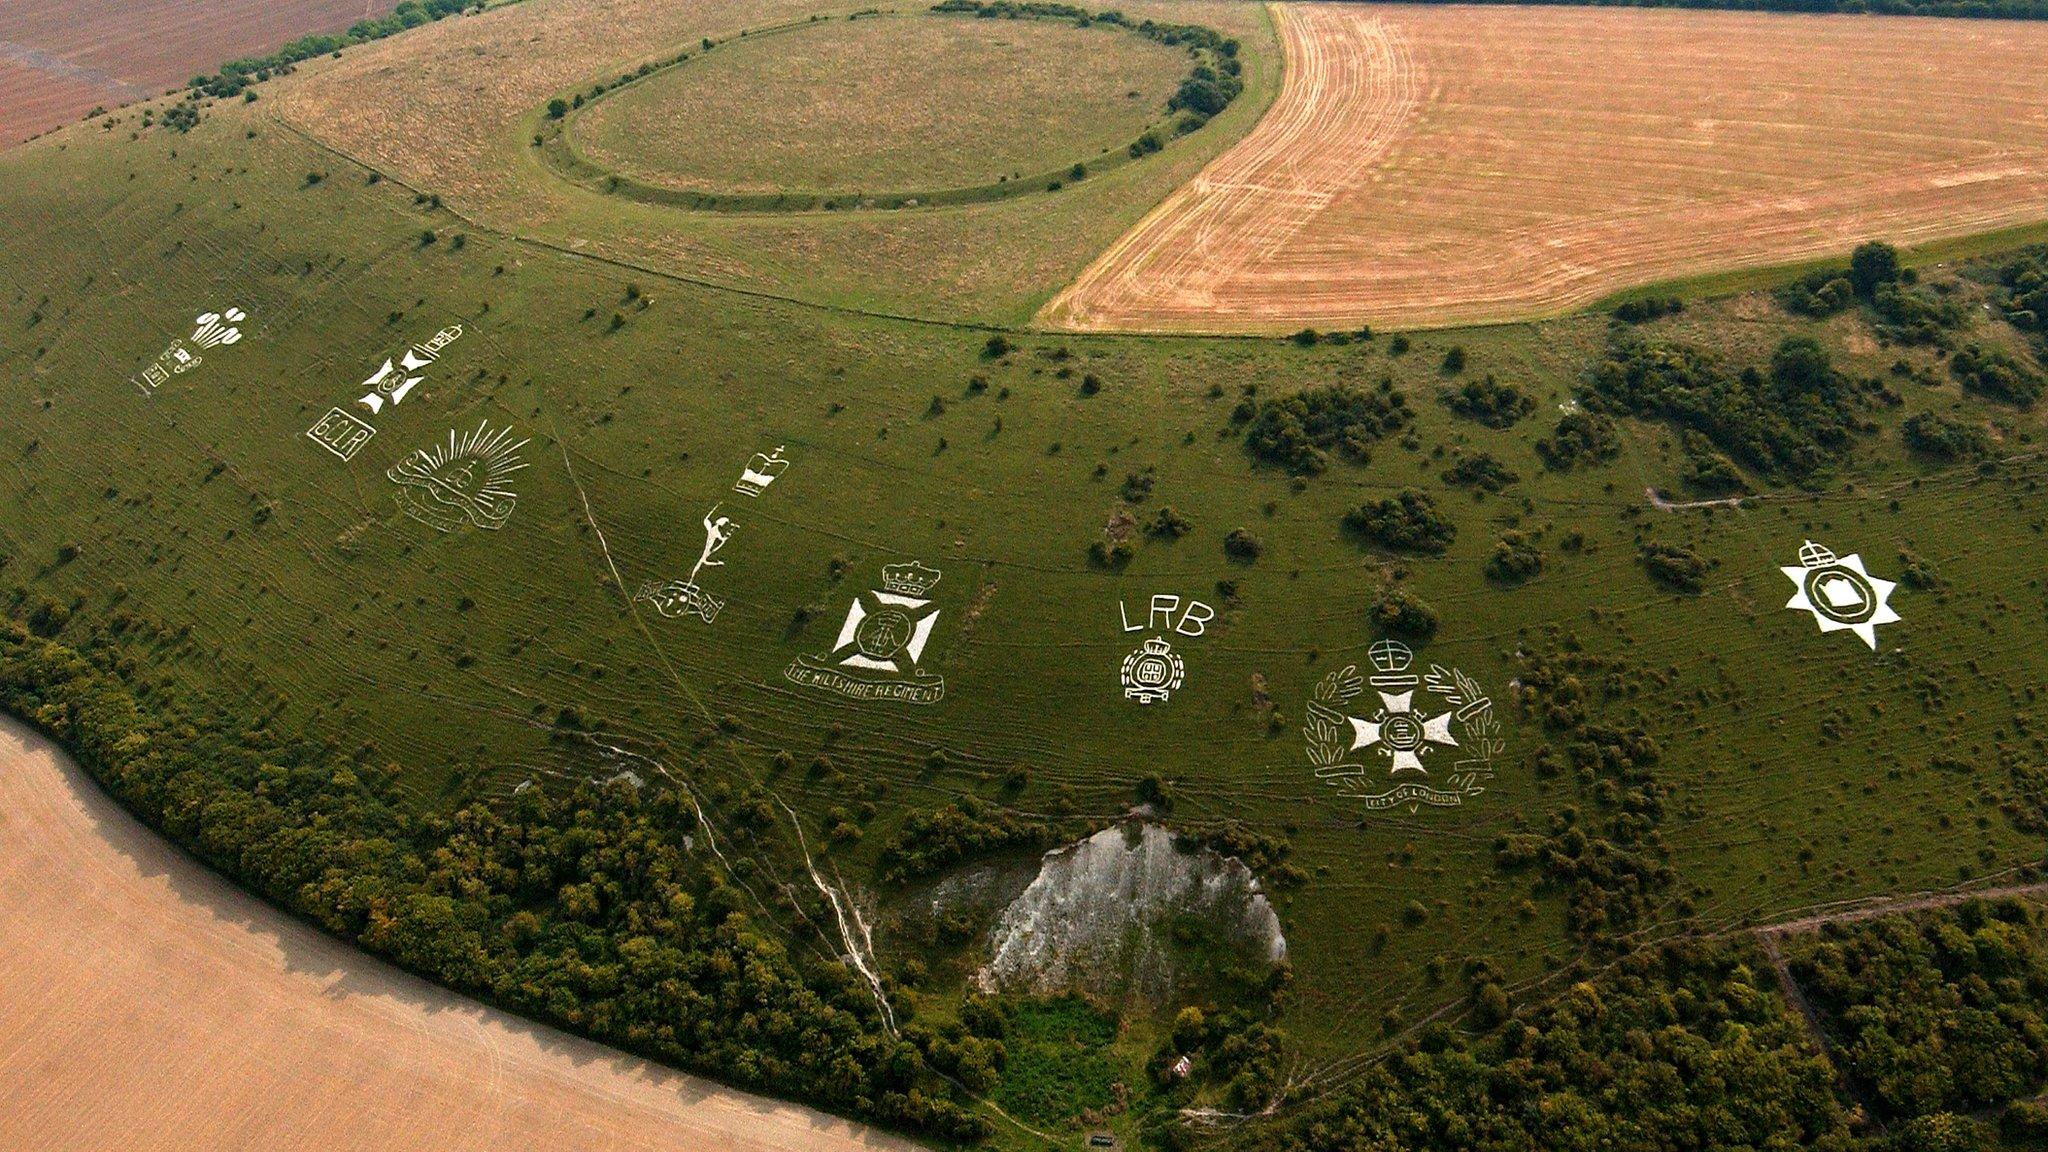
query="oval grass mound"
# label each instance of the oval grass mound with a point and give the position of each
(885, 111)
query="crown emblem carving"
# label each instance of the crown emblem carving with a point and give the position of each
(760, 472)
(912, 579)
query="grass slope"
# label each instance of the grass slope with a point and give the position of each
(1804, 768)
(898, 103)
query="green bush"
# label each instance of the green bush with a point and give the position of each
(1516, 559)
(1403, 615)
(1996, 373)
(1489, 402)
(1299, 432)
(1481, 471)
(1935, 435)
(1580, 438)
(1408, 521)
(1674, 567)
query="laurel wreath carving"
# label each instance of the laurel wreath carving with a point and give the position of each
(1327, 731)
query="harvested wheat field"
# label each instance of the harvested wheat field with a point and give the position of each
(60, 58)
(147, 1004)
(1433, 165)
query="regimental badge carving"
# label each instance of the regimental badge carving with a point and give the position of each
(210, 330)
(462, 482)
(1839, 593)
(391, 383)
(683, 597)
(1428, 739)
(341, 433)
(1151, 673)
(880, 647)
(760, 472)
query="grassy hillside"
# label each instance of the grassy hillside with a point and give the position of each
(1790, 768)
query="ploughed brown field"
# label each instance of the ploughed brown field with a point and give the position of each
(1432, 165)
(61, 58)
(147, 1004)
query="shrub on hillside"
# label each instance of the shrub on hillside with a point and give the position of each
(1674, 567)
(1935, 1013)
(1935, 435)
(1408, 521)
(1998, 374)
(1515, 559)
(1479, 470)
(1403, 615)
(1489, 402)
(1647, 309)
(1240, 544)
(1789, 419)
(931, 841)
(1580, 438)
(1300, 432)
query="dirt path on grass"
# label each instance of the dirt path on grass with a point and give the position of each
(146, 1004)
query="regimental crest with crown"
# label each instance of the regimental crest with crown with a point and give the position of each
(1151, 673)
(1427, 739)
(880, 649)
(760, 472)
(209, 330)
(1840, 593)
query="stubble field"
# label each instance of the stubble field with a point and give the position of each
(1439, 164)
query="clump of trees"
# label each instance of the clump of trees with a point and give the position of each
(1681, 1045)
(1604, 854)
(1407, 521)
(1827, 290)
(1791, 418)
(1932, 434)
(1479, 470)
(1515, 559)
(1708, 470)
(1998, 374)
(2023, 290)
(580, 904)
(1647, 309)
(1674, 566)
(1945, 1012)
(936, 839)
(1403, 615)
(1580, 438)
(1216, 79)
(236, 75)
(1489, 402)
(1301, 432)
(1243, 545)
(1875, 277)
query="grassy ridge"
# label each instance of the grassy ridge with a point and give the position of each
(1802, 768)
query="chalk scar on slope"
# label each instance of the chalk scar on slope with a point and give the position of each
(148, 1005)
(1349, 76)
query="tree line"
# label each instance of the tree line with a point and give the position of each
(581, 905)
